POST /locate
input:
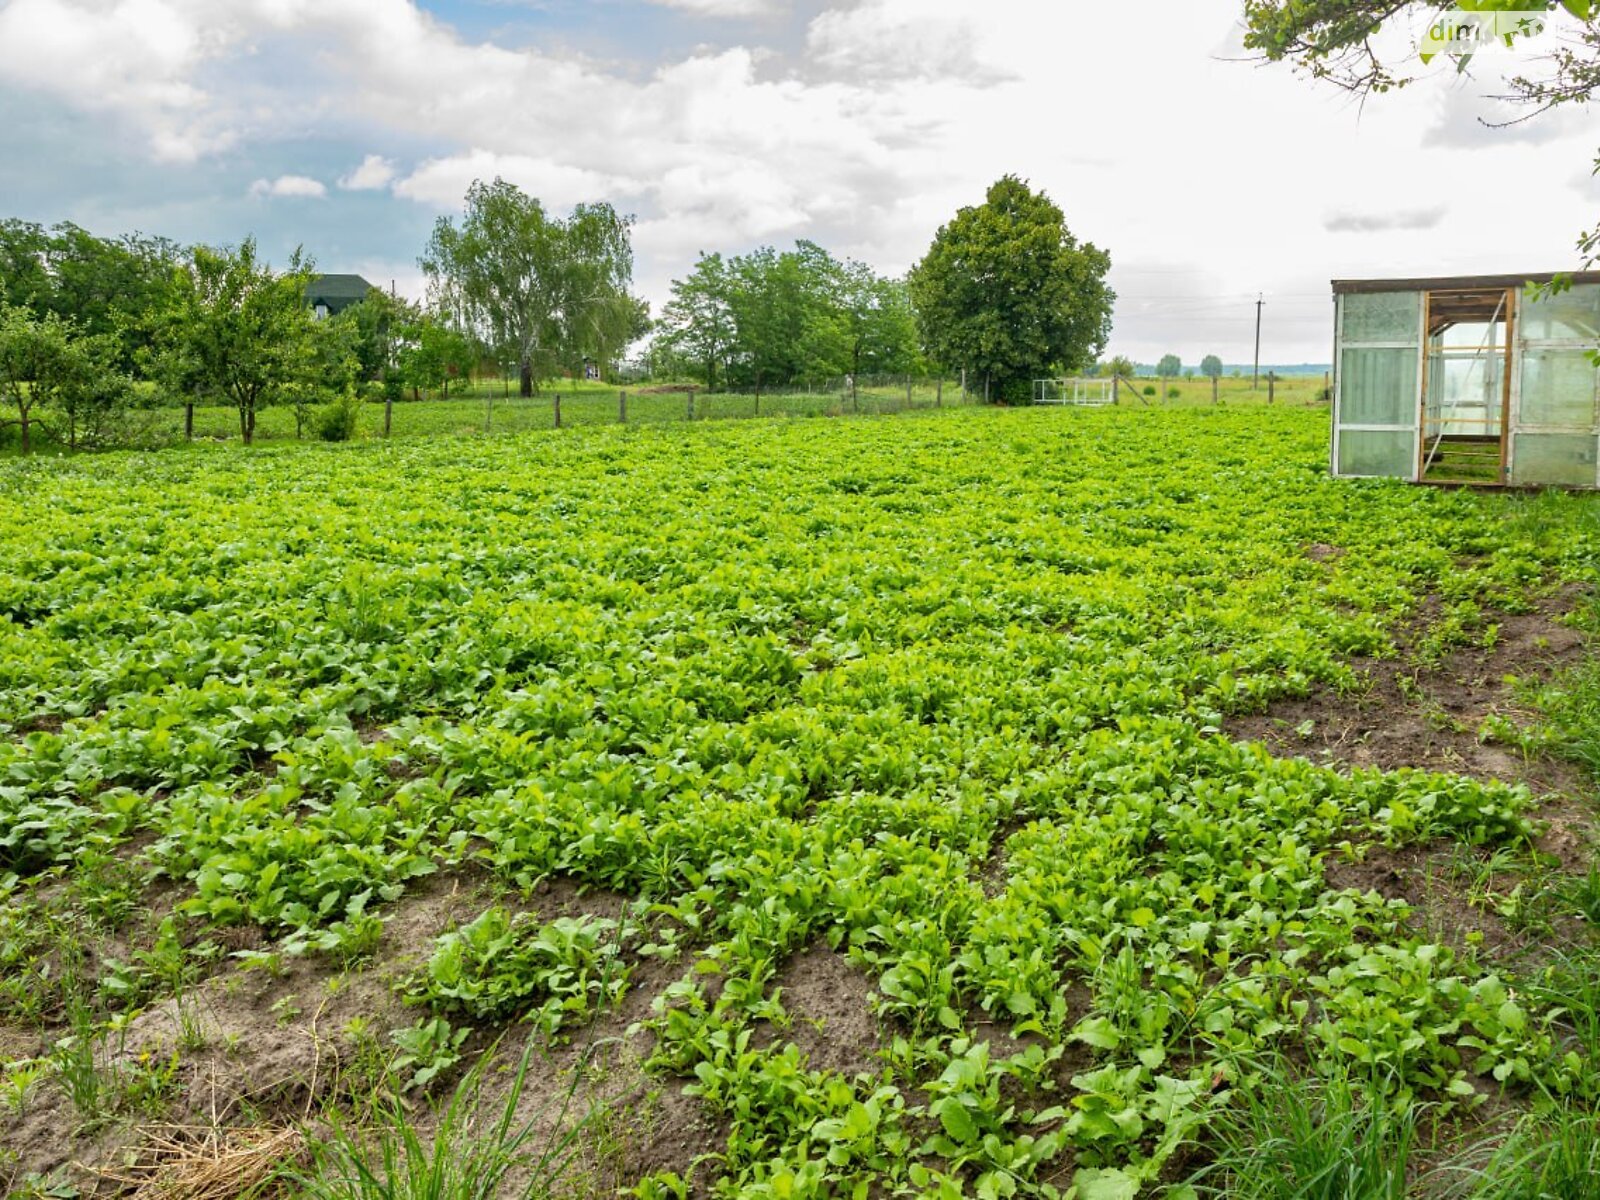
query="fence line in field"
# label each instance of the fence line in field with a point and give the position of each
(494, 407)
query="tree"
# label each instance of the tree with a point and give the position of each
(880, 326)
(1211, 368)
(48, 367)
(533, 288)
(1007, 291)
(698, 321)
(431, 354)
(786, 315)
(1170, 367)
(373, 324)
(94, 392)
(1120, 367)
(108, 288)
(24, 280)
(1338, 41)
(239, 331)
(38, 360)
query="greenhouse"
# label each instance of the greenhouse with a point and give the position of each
(1487, 380)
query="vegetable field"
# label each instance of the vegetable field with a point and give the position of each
(831, 808)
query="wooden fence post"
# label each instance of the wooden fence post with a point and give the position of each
(558, 410)
(1272, 387)
(388, 413)
(938, 392)
(908, 391)
(622, 408)
(691, 404)
(188, 421)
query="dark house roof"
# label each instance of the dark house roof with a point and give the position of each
(1346, 287)
(337, 292)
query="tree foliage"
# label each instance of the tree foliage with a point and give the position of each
(109, 288)
(51, 371)
(772, 317)
(533, 288)
(1211, 367)
(1170, 366)
(1006, 291)
(241, 333)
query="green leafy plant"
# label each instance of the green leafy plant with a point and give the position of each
(427, 1050)
(500, 966)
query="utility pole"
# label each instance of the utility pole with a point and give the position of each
(1255, 378)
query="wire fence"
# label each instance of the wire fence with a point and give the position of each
(493, 407)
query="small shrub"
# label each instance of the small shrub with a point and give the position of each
(1173, 393)
(1149, 389)
(340, 419)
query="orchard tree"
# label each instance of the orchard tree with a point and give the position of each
(1008, 292)
(240, 332)
(431, 354)
(39, 360)
(1342, 42)
(1211, 368)
(51, 372)
(534, 288)
(1170, 367)
(1120, 367)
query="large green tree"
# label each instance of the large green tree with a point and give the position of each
(111, 288)
(240, 332)
(879, 323)
(535, 289)
(1007, 292)
(772, 317)
(1342, 42)
(697, 322)
(787, 320)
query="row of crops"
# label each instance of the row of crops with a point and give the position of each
(943, 693)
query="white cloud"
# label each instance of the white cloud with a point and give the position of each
(1386, 220)
(443, 182)
(724, 8)
(130, 55)
(902, 39)
(866, 135)
(290, 186)
(373, 174)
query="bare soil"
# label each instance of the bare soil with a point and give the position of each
(1429, 716)
(270, 1046)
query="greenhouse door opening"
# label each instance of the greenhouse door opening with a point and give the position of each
(1467, 386)
(1482, 381)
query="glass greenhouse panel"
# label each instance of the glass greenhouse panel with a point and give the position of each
(1383, 317)
(1559, 388)
(1378, 387)
(1378, 452)
(1571, 316)
(1561, 459)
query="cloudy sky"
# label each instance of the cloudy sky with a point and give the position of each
(351, 125)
